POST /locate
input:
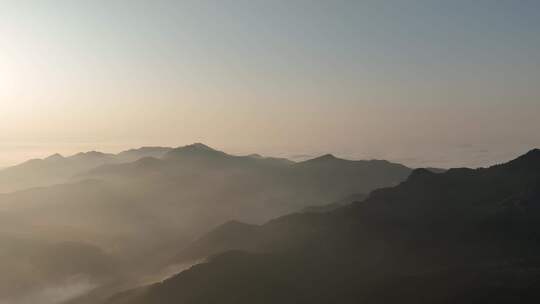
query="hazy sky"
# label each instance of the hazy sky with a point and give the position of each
(442, 83)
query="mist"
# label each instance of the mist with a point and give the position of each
(72, 288)
(120, 219)
(262, 152)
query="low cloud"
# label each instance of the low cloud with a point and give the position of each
(55, 294)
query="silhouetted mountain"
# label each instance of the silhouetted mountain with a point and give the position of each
(57, 169)
(195, 150)
(91, 156)
(201, 155)
(143, 213)
(349, 199)
(343, 177)
(462, 236)
(287, 186)
(55, 157)
(435, 170)
(54, 169)
(135, 154)
(231, 235)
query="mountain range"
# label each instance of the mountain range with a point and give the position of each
(138, 210)
(461, 236)
(57, 169)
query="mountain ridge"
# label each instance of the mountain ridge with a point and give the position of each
(453, 234)
(144, 212)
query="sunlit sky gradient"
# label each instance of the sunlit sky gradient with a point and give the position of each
(426, 83)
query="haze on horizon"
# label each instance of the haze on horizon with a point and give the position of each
(424, 83)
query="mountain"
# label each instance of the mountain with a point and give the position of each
(339, 174)
(462, 236)
(349, 199)
(136, 154)
(260, 188)
(199, 154)
(57, 169)
(235, 235)
(143, 213)
(232, 235)
(54, 169)
(195, 150)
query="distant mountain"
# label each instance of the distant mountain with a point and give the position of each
(184, 194)
(197, 150)
(202, 155)
(462, 236)
(54, 169)
(232, 235)
(235, 235)
(136, 154)
(57, 169)
(143, 213)
(349, 199)
(265, 187)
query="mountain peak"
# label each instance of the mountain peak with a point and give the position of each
(90, 155)
(146, 149)
(200, 146)
(325, 157)
(196, 149)
(421, 174)
(55, 157)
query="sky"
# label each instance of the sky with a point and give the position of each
(425, 83)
